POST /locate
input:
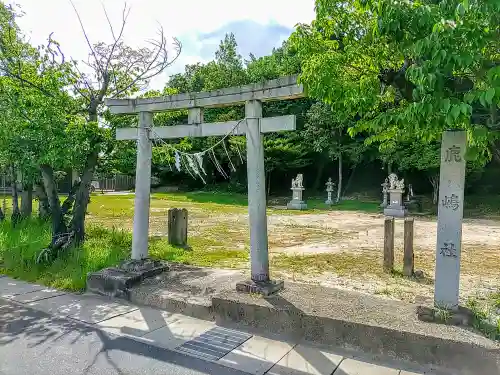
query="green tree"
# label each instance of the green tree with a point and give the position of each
(407, 67)
(66, 127)
(414, 155)
(36, 108)
(328, 136)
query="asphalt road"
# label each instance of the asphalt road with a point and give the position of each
(34, 343)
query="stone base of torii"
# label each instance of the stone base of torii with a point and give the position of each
(117, 281)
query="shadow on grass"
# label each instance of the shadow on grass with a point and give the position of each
(235, 199)
(346, 205)
(232, 199)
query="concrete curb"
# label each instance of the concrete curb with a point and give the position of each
(200, 308)
(344, 319)
(322, 315)
(425, 343)
(330, 320)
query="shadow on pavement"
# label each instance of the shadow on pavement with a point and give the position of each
(20, 323)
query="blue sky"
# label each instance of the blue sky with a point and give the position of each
(259, 25)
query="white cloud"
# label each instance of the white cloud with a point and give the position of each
(186, 19)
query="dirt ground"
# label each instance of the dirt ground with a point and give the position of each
(362, 235)
(339, 248)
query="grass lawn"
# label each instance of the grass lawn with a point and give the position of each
(104, 247)
(217, 236)
(306, 245)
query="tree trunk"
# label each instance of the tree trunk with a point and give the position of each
(82, 198)
(43, 202)
(27, 201)
(2, 215)
(16, 214)
(389, 168)
(319, 174)
(339, 187)
(58, 225)
(434, 180)
(351, 177)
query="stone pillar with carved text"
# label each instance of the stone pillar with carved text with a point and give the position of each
(450, 215)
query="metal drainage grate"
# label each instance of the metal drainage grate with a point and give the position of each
(214, 344)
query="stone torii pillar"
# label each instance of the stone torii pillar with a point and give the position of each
(253, 126)
(256, 176)
(140, 232)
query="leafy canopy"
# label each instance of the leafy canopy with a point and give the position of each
(407, 67)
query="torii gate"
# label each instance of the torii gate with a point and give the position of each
(252, 96)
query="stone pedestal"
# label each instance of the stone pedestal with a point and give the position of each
(395, 207)
(329, 201)
(117, 281)
(297, 203)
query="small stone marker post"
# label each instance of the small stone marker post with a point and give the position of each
(450, 215)
(388, 244)
(177, 226)
(329, 189)
(408, 258)
(298, 189)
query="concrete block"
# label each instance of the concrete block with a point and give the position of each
(112, 282)
(257, 355)
(117, 281)
(395, 212)
(296, 205)
(306, 360)
(354, 367)
(176, 302)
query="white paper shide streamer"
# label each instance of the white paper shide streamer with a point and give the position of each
(178, 161)
(193, 163)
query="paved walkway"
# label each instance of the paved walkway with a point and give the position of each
(198, 338)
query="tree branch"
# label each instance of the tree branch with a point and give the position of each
(157, 64)
(86, 37)
(125, 15)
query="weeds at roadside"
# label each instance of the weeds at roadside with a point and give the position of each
(486, 315)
